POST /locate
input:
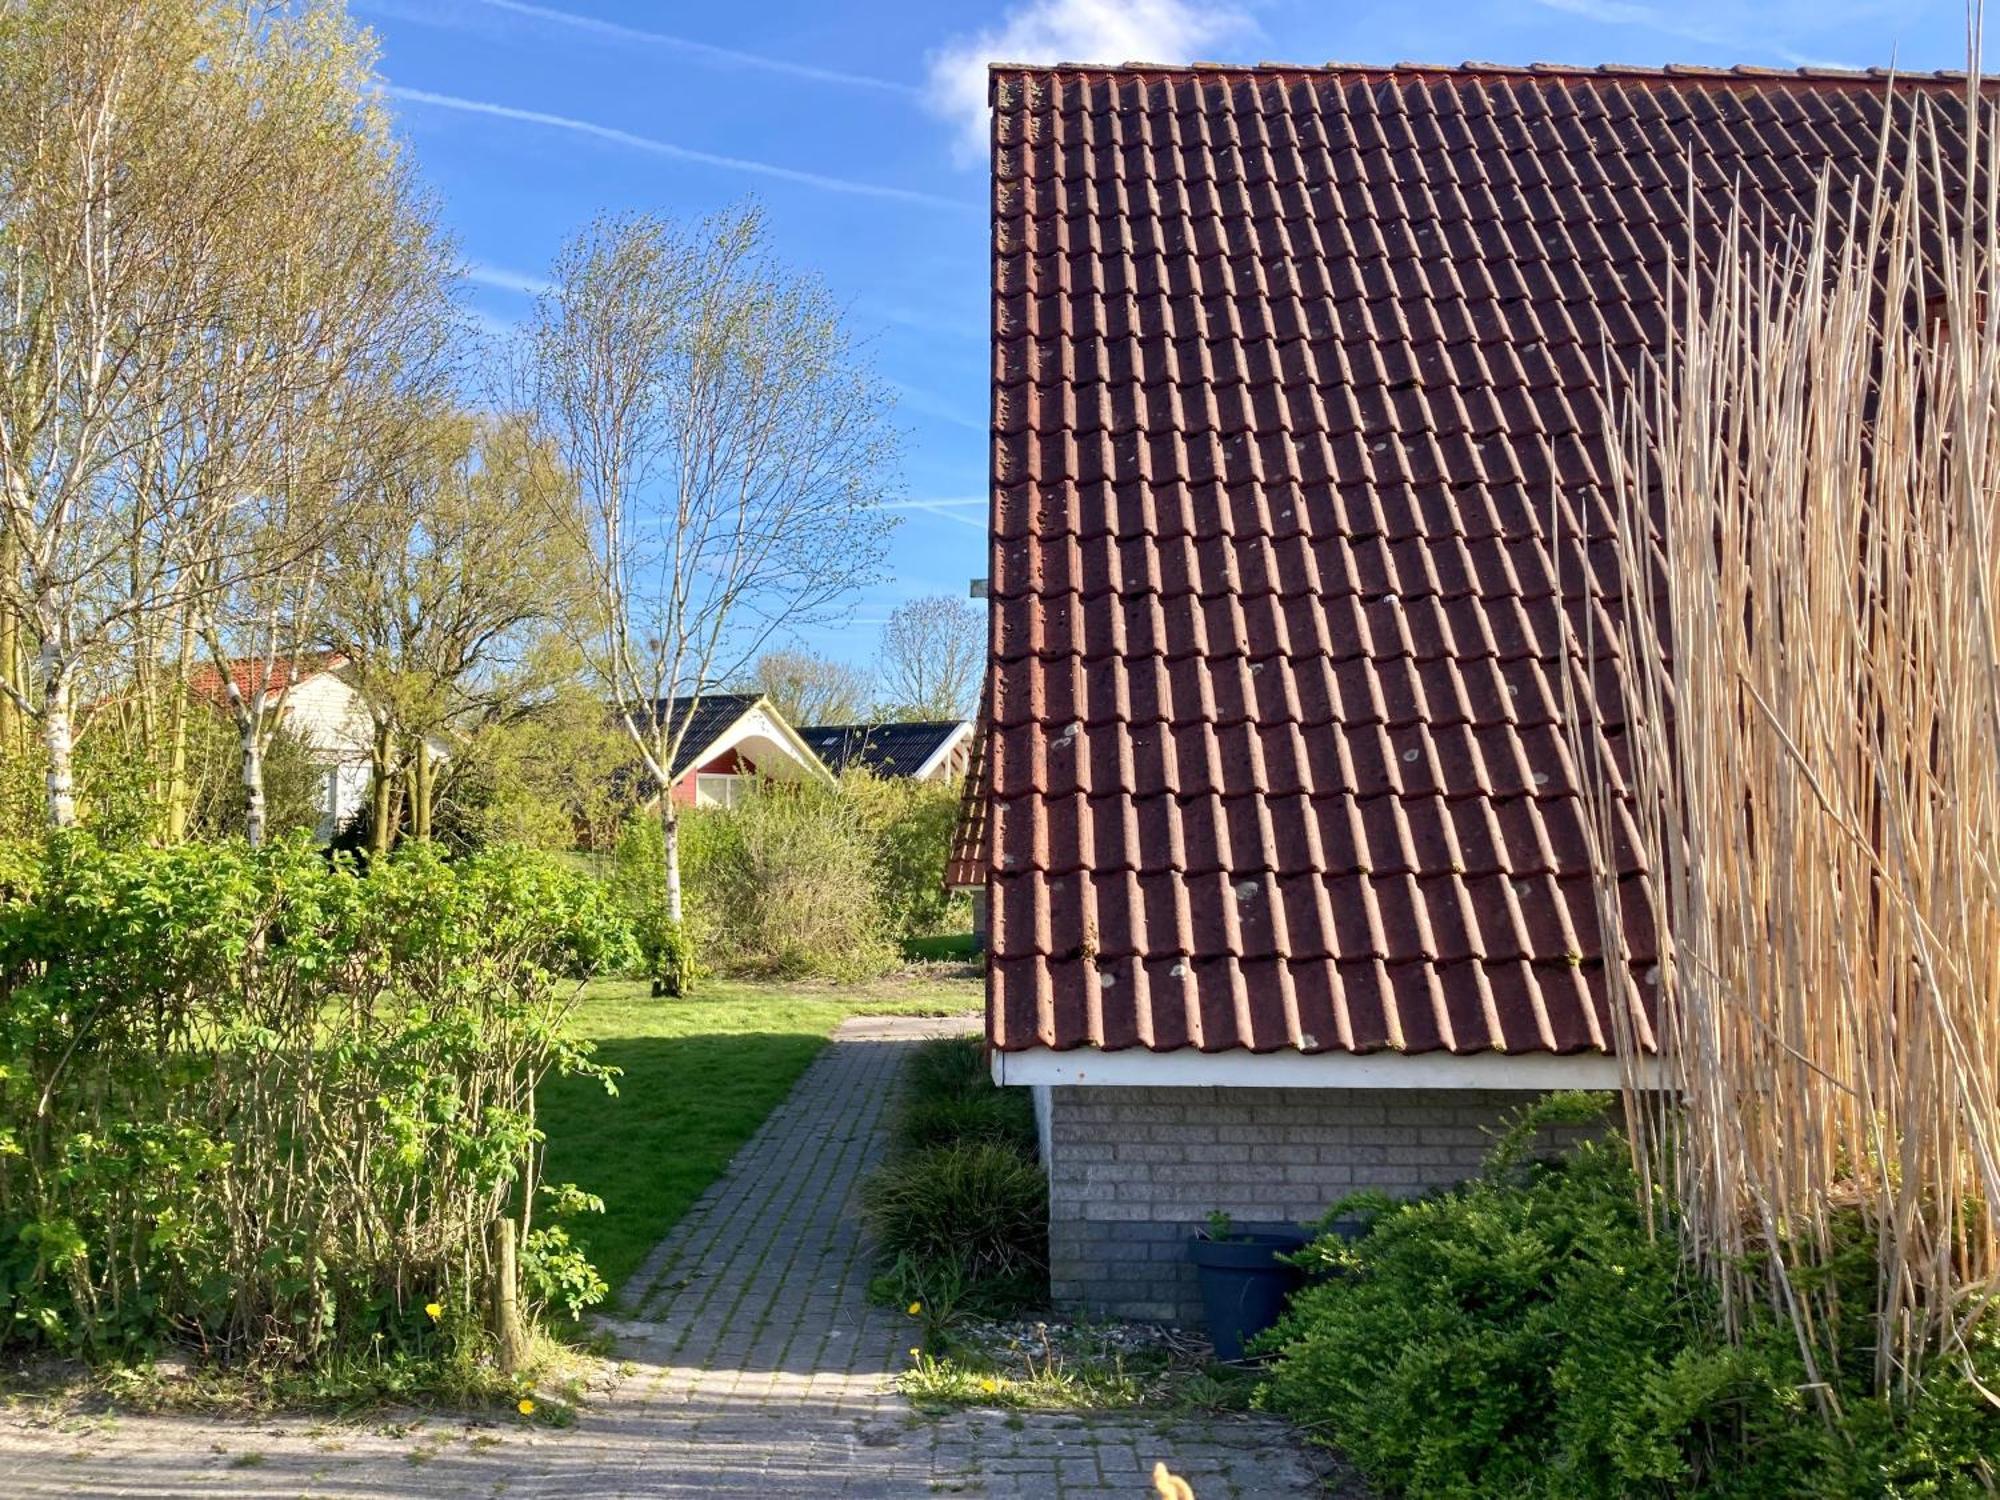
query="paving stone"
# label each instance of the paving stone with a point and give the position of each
(759, 1369)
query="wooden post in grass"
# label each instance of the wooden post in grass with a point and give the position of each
(509, 1337)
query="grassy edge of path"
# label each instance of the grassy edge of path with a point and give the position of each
(699, 1076)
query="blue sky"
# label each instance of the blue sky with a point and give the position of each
(857, 126)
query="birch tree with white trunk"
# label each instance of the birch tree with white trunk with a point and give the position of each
(732, 453)
(205, 239)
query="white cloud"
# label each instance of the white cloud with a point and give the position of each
(1784, 29)
(705, 51)
(668, 149)
(503, 280)
(951, 508)
(917, 399)
(949, 502)
(1048, 31)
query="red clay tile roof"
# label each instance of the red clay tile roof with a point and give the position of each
(206, 683)
(1291, 366)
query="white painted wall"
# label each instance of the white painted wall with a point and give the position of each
(329, 715)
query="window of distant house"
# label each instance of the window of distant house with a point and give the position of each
(718, 791)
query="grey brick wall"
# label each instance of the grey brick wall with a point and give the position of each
(1134, 1171)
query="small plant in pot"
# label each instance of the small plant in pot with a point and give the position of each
(1243, 1281)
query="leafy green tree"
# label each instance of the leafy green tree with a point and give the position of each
(453, 579)
(209, 246)
(557, 774)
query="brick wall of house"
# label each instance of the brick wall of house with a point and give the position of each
(1134, 1171)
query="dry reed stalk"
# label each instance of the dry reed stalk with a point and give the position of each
(1806, 493)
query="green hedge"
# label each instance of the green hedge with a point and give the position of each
(1525, 1336)
(271, 1104)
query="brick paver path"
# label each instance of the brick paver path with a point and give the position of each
(756, 1366)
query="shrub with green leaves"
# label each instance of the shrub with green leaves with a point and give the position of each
(270, 1103)
(797, 879)
(781, 885)
(999, 1117)
(1525, 1335)
(910, 824)
(947, 1067)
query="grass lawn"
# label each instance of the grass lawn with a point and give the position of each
(699, 1076)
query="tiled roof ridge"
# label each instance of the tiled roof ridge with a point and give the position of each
(870, 724)
(1749, 72)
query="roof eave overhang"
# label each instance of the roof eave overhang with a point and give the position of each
(1529, 1072)
(937, 757)
(742, 727)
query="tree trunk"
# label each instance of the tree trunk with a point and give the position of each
(670, 847)
(11, 738)
(56, 739)
(383, 800)
(510, 1338)
(177, 739)
(422, 780)
(253, 782)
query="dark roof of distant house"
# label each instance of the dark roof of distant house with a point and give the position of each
(885, 749)
(710, 716)
(1300, 511)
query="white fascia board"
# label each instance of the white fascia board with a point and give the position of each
(1527, 1071)
(760, 722)
(937, 756)
(764, 716)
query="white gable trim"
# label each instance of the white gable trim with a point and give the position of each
(1137, 1068)
(759, 721)
(938, 756)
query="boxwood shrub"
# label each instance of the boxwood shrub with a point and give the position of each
(1524, 1335)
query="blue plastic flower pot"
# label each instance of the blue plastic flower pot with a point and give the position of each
(1243, 1283)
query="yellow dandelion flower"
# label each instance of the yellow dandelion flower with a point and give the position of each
(433, 1311)
(915, 1309)
(916, 1354)
(989, 1385)
(525, 1407)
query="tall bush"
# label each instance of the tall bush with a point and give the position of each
(270, 1103)
(783, 884)
(910, 824)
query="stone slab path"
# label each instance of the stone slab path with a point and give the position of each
(754, 1366)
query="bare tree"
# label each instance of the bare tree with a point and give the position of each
(811, 689)
(933, 657)
(731, 452)
(201, 220)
